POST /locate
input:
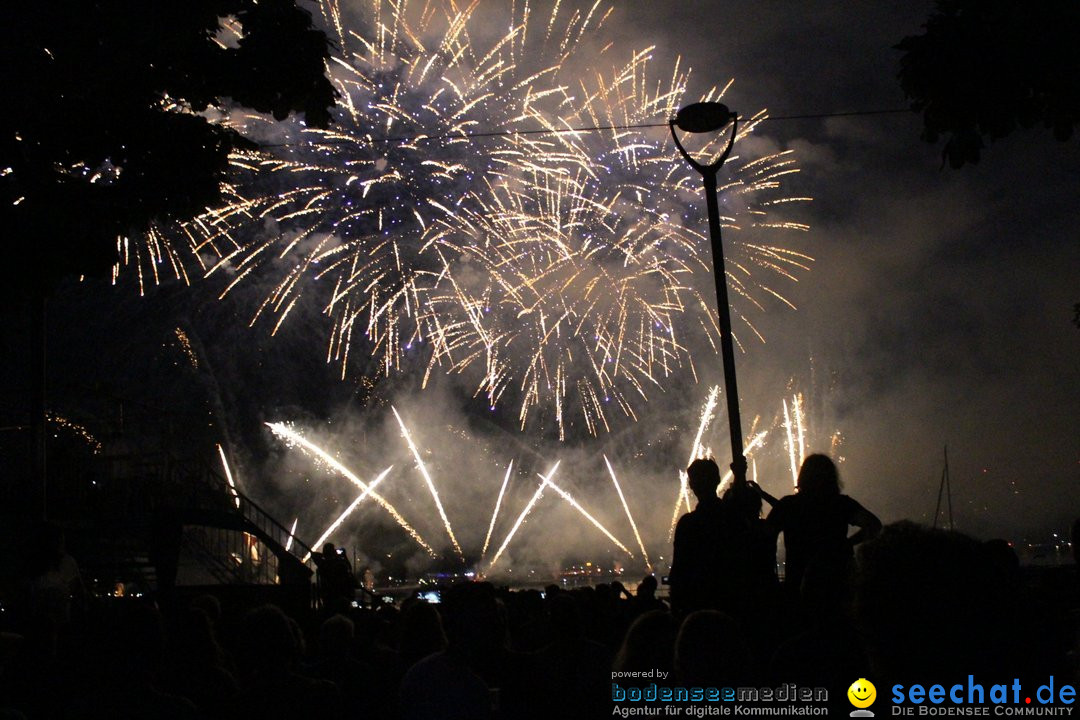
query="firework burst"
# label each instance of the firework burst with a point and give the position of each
(575, 280)
(560, 272)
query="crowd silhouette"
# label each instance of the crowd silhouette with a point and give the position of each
(898, 603)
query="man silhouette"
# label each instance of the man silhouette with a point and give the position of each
(698, 557)
(336, 582)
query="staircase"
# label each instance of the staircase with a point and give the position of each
(153, 522)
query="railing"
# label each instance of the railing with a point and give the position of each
(273, 529)
(149, 480)
(195, 473)
(210, 555)
(231, 556)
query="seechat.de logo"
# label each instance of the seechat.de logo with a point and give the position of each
(975, 698)
(862, 694)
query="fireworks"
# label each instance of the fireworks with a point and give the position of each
(585, 514)
(229, 476)
(793, 425)
(457, 217)
(560, 273)
(292, 534)
(347, 512)
(295, 438)
(585, 285)
(185, 347)
(796, 438)
(77, 429)
(755, 442)
(545, 481)
(289, 435)
(430, 484)
(498, 504)
(629, 515)
(789, 426)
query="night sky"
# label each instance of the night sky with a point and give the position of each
(938, 311)
(940, 299)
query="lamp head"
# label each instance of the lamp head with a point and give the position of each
(703, 117)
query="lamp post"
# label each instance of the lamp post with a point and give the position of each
(705, 117)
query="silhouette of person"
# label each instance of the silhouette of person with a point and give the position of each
(644, 598)
(750, 554)
(335, 662)
(420, 632)
(649, 644)
(815, 521)
(336, 580)
(55, 582)
(572, 672)
(268, 654)
(711, 650)
(701, 544)
(941, 604)
(451, 684)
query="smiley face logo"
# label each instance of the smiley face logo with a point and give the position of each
(862, 693)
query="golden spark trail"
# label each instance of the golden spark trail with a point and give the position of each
(431, 485)
(76, 428)
(629, 516)
(283, 430)
(696, 450)
(185, 346)
(797, 404)
(348, 511)
(585, 513)
(292, 534)
(545, 480)
(498, 504)
(791, 446)
(228, 476)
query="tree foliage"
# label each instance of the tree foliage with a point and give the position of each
(983, 68)
(102, 132)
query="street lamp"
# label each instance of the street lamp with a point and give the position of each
(706, 117)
